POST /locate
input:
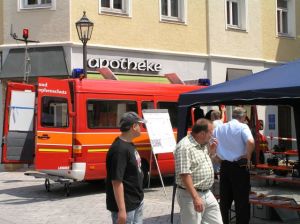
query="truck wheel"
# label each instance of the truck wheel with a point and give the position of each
(145, 169)
(47, 184)
(67, 189)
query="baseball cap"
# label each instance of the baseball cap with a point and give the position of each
(128, 119)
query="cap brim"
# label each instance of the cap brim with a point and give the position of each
(142, 121)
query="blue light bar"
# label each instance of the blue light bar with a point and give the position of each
(204, 82)
(77, 72)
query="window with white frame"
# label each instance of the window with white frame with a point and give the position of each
(236, 12)
(173, 10)
(115, 6)
(36, 4)
(286, 17)
(27, 4)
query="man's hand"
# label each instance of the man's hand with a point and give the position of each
(249, 165)
(122, 217)
(198, 204)
(213, 143)
(188, 183)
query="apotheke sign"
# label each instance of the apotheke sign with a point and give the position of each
(124, 64)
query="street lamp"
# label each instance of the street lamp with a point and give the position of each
(84, 30)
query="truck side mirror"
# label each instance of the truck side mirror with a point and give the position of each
(260, 125)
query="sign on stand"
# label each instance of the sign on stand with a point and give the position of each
(161, 135)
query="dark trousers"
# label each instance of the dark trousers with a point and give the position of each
(234, 186)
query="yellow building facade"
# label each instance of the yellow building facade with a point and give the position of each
(143, 28)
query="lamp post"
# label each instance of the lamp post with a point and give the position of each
(84, 30)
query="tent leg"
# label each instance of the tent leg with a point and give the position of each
(297, 125)
(173, 202)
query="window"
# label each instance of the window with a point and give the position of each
(54, 112)
(286, 17)
(147, 105)
(236, 73)
(173, 10)
(236, 14)
(172, 109)
(282, 17)
(107, 113)
(33, 4)
(115, 6)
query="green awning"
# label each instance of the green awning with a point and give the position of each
(132, 77)
(94, 76)
(143, 78)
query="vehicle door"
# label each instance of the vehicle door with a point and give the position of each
(54, 136)
(18, 124)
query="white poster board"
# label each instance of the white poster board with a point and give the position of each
(21, 111)
(160, 130)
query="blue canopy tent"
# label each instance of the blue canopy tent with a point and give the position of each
(276, 86)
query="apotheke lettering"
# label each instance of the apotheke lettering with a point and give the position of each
(124, 64)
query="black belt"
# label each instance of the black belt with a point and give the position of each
(241, 162)
(199, 190)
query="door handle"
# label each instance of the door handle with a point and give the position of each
(4, 140)
(44, 137)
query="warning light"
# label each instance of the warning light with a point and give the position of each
(204, 82)
(25, 34)
(77, 72)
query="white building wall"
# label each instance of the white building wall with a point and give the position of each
(187, 67)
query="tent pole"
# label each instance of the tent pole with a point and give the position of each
(182, 123)
(297, 125)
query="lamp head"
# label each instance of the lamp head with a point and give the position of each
(84, 28)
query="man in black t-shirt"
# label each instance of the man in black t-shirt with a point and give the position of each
(124, 187)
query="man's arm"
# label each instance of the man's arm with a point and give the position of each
(188, 183)
(119, 196)
(250, 145)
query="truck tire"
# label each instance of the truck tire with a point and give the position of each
(145, 169)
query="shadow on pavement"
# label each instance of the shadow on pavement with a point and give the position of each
(162, 219)
(37, 193)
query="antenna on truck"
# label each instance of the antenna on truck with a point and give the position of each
(27, 64)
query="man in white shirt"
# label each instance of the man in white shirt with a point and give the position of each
(235, 148)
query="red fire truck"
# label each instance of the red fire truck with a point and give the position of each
(65, 127)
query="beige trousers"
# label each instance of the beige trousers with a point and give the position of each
(188, 215)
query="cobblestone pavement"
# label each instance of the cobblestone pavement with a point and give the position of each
(23, 199)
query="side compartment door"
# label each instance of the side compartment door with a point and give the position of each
(54, 126)
(18, 124)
